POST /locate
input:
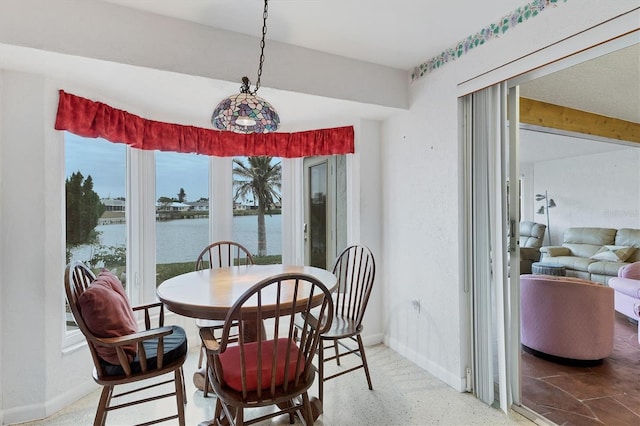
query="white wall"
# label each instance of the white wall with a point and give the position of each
(421, 216)
(597, 190)
(421, 175)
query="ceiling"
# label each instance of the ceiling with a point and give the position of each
(400, 33)
(406, 33)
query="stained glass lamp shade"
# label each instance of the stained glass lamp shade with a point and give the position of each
(245, 113)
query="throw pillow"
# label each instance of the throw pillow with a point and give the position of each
(631, 271)
(106, 310)
(613, 253)
(558, 251)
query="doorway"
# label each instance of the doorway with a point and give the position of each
(549, 157)
(325, 199)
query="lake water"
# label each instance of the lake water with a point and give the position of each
(182, 240)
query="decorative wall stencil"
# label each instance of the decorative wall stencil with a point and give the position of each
(489, 32)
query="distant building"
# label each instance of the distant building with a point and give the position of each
(200, 206)
(113, 205)
(172, 207)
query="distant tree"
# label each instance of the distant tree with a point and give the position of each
(166, 200)
(182, 196)
(263, 181)
(83, 209)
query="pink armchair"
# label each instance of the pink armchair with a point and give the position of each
(566, 319)
(627, 292)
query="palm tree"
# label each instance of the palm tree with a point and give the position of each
(263, 181)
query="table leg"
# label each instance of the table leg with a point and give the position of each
(198, 378)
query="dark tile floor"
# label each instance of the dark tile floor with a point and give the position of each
(606, 394)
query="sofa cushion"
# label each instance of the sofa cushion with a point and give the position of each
(106, 310)
(609, 269)
(629, 237)
(594, 236)
(531, 234)
(573, 262)
(582, 250)
(556, 251)
(613, 253)
(631, 270)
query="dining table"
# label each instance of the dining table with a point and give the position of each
(210, 293)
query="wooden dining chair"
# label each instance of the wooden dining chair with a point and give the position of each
(277, 369)
(220, 254)
(355, 269)
(121, 354)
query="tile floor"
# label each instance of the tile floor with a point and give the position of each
(607, 394)
(403, 394)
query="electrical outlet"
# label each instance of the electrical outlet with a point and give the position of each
(415, 304)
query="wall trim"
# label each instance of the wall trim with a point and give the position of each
(489, 32)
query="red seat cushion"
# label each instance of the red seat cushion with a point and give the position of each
(232, 363)
(106, 310)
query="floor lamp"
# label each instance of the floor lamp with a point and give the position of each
(549, 203)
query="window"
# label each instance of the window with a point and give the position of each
(182, 212)
(152, 214)
(95, 184)
(257, 207)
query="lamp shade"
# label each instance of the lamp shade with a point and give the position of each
(245, 113)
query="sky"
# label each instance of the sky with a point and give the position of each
(106, 163)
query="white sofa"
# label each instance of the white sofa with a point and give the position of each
(590, 253)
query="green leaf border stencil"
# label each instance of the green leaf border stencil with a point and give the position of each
(491, 31)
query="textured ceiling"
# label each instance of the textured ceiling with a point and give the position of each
(608, 85)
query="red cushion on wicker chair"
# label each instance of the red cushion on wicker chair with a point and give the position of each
(232, 363)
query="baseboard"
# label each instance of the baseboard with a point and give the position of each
(39, 411)
(458, 383)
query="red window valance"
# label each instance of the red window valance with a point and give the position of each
(94, 119)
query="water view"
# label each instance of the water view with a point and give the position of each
(182, 240)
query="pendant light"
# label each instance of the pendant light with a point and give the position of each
(246, 112)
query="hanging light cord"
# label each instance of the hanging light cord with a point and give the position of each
(246, 84)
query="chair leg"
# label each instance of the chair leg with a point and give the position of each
(218, 412)
(205, 388)
(307, 413)
(201, 356)
(335, 347)
(364, 361)
(321, 371)
(180, 395)
(101, 413)
(184, 385)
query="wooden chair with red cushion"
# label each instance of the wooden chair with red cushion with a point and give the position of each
(221, 254)
(122, 354)
(276, 369)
